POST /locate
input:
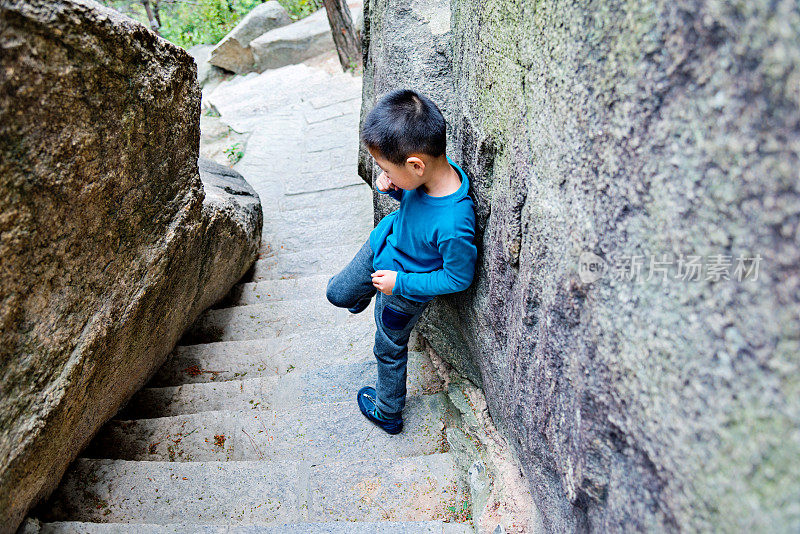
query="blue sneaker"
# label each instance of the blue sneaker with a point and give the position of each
(366, 402)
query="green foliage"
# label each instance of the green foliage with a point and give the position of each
(300, 8)
(352, 66)
(207, 21)
(234, 153)
(190, 22)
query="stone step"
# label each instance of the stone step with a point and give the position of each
(273, 290)
(312, 262)
(244, 101)
(332, 199)
(233, 360)
(316, 433)
(328, 203)
(312, 236)
(329, 527)
(325, 179)
(344, 89)
(331, 383)
(283, 189)
(306, 229)
(270, 319)
(417, 488)
(357, 211)
(341, 106)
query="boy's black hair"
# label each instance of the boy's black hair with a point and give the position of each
(404, 122)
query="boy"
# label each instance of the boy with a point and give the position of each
(421, 250)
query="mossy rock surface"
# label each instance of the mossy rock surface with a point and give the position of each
(622, 129)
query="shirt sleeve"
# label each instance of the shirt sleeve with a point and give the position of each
(459, 255)
(396, 194)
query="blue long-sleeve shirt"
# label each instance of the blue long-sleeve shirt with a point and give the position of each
(429, 241)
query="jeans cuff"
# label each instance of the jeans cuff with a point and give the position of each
(386, 412)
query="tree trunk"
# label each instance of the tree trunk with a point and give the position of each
(348, 44)
(153, 22)
(157, 11)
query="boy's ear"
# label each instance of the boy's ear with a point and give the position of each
(417, 165)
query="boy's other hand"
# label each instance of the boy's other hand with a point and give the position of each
(383, 183)
(384, 281)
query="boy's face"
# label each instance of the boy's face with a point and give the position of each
(408, 176)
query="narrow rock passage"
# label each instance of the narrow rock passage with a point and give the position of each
(252, 425)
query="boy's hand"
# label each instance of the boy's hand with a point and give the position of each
(383, 183)
(384, 281)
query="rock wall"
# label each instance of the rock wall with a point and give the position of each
(605, 136)
(111, 244)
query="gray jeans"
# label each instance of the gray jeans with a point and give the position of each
(395, 317)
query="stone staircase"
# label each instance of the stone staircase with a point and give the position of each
(251, 425)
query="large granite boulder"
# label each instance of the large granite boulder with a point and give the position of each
(111, 244)
(296, 42)
(206, 72)
(233, 53)
(601, 137)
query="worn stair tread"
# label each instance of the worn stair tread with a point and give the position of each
(270, 180)
(312, 237)
(415, 488)
(355, 215)
(327, 203)
(349, 205)
(273, 290)
(255, 321)
(329, 527)
(319, 432)
(243, 101)
(327, 180)
(331, 383)
(276, 355)
(319, 261)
